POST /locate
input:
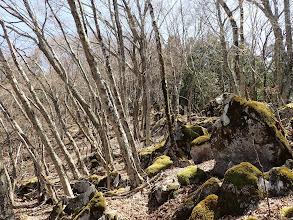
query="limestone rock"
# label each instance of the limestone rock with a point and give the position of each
(191, 175)
(244, 128)
(211, 186)
(206, 209)
(240, 190)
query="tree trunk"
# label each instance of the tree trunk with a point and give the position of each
(173, 149)
(6, 211)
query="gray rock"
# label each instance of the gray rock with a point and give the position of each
(244, 128)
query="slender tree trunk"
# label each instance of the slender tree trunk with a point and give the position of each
(6, 211)
(288, 87)
(173, 149)
(232, 81)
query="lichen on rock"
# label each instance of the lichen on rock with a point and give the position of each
(191, 175)
(160, 163)
(206, 209)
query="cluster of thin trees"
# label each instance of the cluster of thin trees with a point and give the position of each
(103, 66)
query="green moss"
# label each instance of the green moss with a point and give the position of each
(159, 164)
(190, 174)
(242, 174)
(201, 140)
(96, 207)
(251, 218)
(287, 212)
(110, 193)
(206, 209)
(94, 179)
(193, 131)
(149, 150)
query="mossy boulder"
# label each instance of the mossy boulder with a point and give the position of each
(244, 128)
(191, 175)
(206, 209)
(149, 153)
(211, 186)
(287, 212)
(160, 163)
(201, 149)
(94, 209)
(240, 190)
(280, 181)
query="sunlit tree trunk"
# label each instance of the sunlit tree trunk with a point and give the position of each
(6, 211)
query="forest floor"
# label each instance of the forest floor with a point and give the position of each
(133, 205)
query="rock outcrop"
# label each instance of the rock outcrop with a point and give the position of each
(247, 130)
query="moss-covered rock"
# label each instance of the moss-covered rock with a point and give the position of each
(244, 128)
(280, 181)
(240, 190)
(206, 209)
(201, 149)
(149, 153)
(287, 212)
(211, 186)
(85, 192)
(160, 163)
(191, 175)
(192, 132)
(94, 209)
